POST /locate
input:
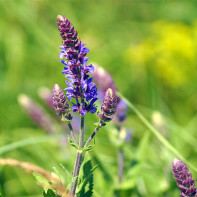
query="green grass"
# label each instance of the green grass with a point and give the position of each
(29, 42)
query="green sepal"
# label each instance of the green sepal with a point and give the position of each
(66, 119)
(100, 123)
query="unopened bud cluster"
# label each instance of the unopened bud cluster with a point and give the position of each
(183, 179)
(60, 102)
(68, 34)
(108, 107)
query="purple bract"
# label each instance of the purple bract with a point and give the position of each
(60, 103)
(108, 107)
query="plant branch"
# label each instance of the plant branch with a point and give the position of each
(79, 158)
(92, 136)
(72, 133)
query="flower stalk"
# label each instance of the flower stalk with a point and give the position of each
(80, 89)
(79, 157)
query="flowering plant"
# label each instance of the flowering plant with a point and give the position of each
(82, 90)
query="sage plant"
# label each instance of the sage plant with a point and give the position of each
(81, 92)
(183, 179)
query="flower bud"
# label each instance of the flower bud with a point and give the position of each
(60, 103)
(183, 178)
(108, 107)
(67, 32)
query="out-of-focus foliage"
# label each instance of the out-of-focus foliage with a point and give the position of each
(149, 48)
(169, 52)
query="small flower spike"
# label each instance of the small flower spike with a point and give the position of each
(108, 107)
(60, 103)
(184, 179)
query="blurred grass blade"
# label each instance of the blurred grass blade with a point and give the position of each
(156, 133)
(29, 141)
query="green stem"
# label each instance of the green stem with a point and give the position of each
(81, 135)
(92, 136)
(79, 158)
(120, 164)
(156, 133)
(72, 133)
(76, 172)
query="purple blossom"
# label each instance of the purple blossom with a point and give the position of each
(183, 179)
(76, 70)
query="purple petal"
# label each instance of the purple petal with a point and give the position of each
(61, 54)
(62, 48)
(85, 59)
(90, 68)
(64, 62)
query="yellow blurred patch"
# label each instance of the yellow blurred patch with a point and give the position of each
(169, 52)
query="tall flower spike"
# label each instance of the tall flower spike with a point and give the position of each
(60, 103)
(108, 107)
(183, 179)
(76, 70)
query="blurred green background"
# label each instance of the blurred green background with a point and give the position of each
(150, 49)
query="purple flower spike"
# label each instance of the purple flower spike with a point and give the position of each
(108, 107)
(37, 114)
(60, 103)
(76, 69)
(184, 179)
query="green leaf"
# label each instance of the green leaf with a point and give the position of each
(50, 193)
(57, 173)
(72, 143)
(85, 188)
(68, 174)
(69, 178)
(88, 148)
(40, 179)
